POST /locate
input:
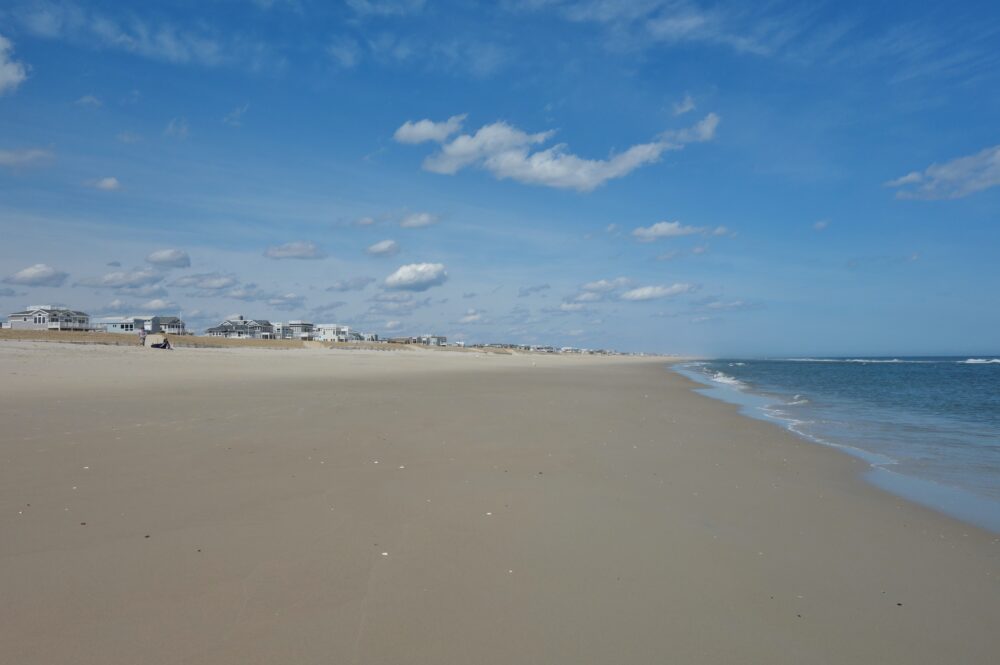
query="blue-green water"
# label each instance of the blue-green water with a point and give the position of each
(930, 427)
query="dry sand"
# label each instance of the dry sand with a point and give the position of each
(312, 506)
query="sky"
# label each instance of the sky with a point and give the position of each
(722, 179)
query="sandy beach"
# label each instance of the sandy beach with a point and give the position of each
(217, 506)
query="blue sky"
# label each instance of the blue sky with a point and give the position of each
(672, 176)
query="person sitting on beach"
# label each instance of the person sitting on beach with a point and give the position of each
(165, 344)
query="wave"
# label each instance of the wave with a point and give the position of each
(865, 361)
(725, 379)
(980, 361)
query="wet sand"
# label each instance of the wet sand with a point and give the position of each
(312, 506)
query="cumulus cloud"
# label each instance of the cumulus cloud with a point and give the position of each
(428, 130)
(953, 179)
(108, 184)
(24, 157)
(510, 153)
(418, 220)
(295, 250)
(526, 291)
(655, 292)
(12, 72)
(665, 230)
(208, 281)
(123, 279)
(169, 258)
(417, 277)
(39, 274)
(383, 248)
(571, 307)
(351, 284)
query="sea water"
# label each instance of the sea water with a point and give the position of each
(928, 427)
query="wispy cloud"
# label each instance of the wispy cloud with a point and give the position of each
(685, 105)
(418, 220)
(953, 179)
(89, 101)
(109, 184)
(209, 281)
(386, 7)
(123, 279)
(665, 230)
(295, 250)
(177, 128)
(656, 292)
(509, 153)
(383, 248)
(12, 72)
(235, 117)
(351, 284)
(25, 157)
(526, 291)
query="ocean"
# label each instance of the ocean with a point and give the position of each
(928, 427)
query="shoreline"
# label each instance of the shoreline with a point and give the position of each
(950, 501)
(315, 506)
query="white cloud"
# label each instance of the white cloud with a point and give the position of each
(953, 179)
(287, 301)
(417, 277)
(821, 225)
(393, 325)
(235, 117)
(606, 285)
(383, 248)
(685, 105)
(665, 230)
(209, 281)
(123, 279)
(655, 292)
(37, 275)
(177, 128)
(351, 284)
(428, 130)
(109, 184)
(506, 152)
(472, 316)
(89, 101)
(365, 221)
(588, 296)
(158, 305)
(128, 137)
(294, 250)
(526, 291)
(12, 72)
(23, 157)
(418, 220)
(571, 307)
(721, 231)
(346, 51)
(386, 7)
(169, 258)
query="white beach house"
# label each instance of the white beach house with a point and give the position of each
(46, 317)
(240, 328)
(169, 325)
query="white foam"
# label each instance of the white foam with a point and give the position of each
(980, 361)
(727, 380)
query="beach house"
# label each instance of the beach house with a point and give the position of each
(294, 330)
(241, 328)
(46, 317)
(168, 325)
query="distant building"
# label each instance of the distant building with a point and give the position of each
(240, 328)
(433, 340)
(46, 317)
(293, 330)
(170, 325)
